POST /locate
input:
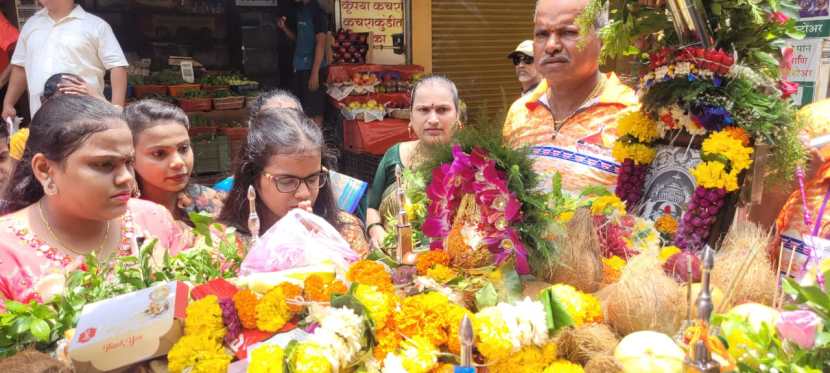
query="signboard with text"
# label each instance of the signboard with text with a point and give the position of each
(383, 18)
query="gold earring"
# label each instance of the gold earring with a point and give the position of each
(410, 131)
(50, 189)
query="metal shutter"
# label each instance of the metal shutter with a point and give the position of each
(470, 43)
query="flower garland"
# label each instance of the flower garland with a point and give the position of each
(427, 260)
(417, 355)
(505, 329)
(334, 344)
(245, 302)
(424, 315)
(635, 152)
(200, 349)
(477, 174)
(368, 272)
(531, 359)
(317, 288)
(272, 311)
(204, 317)
(379, 304)
(724, 157)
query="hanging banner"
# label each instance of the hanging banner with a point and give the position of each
(382, 18)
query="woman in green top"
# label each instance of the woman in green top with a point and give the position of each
(434, 119)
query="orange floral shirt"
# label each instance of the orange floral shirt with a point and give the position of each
(581, 151)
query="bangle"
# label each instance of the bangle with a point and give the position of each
(370, 226)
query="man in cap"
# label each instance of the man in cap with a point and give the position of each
(522, 58)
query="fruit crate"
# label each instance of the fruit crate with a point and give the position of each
(243, 89)
(195, 104)
(211, 154)
(229, 103)
(215, 88)
(179, 90)
(361, 166)
(144, 90)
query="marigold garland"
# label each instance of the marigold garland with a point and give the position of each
(272, 311)
(427, 260)
(293, 296)
(245, 302)
(267, 358)
(441, 273)
(310, 357)
(198, 354)
(492, 334)
(666, 224)
(641, 154)
(379, 304)
(424, 315)
(317, 288)
(564, 366)
(204, 317)
(639, 126)
(417, 355)
(723, 144)
(388, 339)
(369, 272)
(455, 314)
(738, 133)
(713, 175)
(582, 308)
(531, 359)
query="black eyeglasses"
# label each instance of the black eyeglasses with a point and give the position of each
(518, 58)
(290, 184)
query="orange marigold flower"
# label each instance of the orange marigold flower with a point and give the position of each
(666, 224)
(245, 302)
(388, 340)
(369, 272)
(738, 133)
(611, 269)
(427, 260)
(319, 289)
(425, 315)
(292, 293)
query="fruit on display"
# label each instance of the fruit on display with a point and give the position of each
(648, 351)
(364, 79)
(350, 47)
(391, 83)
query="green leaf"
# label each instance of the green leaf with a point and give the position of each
(17, 307)
(596, 190)
(815, 295)
(823, 340)
(487, 297)
(202, 226)
(510, 286)
(558, 318)
(21, 325)
(40, 330)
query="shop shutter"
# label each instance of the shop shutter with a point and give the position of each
(470, 43)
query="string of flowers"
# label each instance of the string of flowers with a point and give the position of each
(725, 155)
(200, 350)
(335, 343)
(634, 151)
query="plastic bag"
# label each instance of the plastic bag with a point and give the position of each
(299, 239)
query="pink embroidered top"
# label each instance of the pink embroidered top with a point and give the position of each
(25, 259)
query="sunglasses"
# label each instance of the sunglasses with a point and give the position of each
(519, 58)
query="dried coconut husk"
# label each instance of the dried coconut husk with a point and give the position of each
(743, 268)
(603, 364)
(643, 299)
(32, 361)
(579, 261)
(582, 343)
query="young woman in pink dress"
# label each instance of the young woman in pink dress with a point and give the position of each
(71, 196)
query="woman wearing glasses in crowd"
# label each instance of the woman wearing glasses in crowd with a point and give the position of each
(71, 196)
(164, 161)
(435, 118)
(285, 160)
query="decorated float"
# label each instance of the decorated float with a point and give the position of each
(484, 271)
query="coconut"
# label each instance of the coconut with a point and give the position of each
(582, 343)
(648, 351)
(30, 361)
(742, 269)
(643, 299)
(579, 261)
(603, 364)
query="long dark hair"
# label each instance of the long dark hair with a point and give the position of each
(276, 132)
(145, 114)
(58, 129)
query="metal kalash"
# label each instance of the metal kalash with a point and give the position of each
(253, 218)
(404, 253)
(699, 359)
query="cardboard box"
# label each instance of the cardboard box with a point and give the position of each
(128, 329)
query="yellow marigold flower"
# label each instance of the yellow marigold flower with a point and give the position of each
(204, 317)
(377, 303)
(564, 366)
(424, 315)
(582, 308)
(369, 272)
(639, 126)
(607, 205)
(611, 269)
(308, 357)
(639, 153)
(722, 144)
(666, 224)
(668, 252)
(267, 358)
(418, 355)
(565, 217)
(429, 259)
(272, 311)
(492, 334)
(245, 302)
(197, 354)
(441, 273)
(531, 359)
(388, 340)
(713, 175)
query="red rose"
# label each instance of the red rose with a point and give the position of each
(779, 18)
(787, 88)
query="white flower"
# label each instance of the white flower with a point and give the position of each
(423, 283)
(534, 318)
(340, 332)
(393, 364)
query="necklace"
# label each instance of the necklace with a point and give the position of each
(65, 246)
(557, 124)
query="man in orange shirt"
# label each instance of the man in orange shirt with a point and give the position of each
(569, 119)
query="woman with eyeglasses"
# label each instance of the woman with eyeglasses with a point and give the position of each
(436, 115)
(164, 161)
(285, 160)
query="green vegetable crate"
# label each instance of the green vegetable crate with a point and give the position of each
(211, 154)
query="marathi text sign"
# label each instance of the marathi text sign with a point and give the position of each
(382, 18)
(806, 60)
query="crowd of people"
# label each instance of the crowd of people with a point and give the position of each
(88, 176)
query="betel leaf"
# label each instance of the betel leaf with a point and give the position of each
(202, 226)
(487, 296)
(40, 330)
(557, 317)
